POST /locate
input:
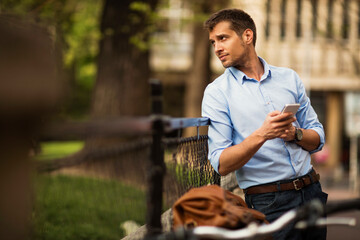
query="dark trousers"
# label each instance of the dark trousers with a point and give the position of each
(274, 204)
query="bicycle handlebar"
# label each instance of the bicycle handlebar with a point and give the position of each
(251, 230)
(306, 216)
(344, 205)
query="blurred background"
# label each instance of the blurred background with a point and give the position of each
(67, 60)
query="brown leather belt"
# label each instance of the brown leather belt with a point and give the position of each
(295, 184)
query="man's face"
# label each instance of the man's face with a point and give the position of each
(228, 46)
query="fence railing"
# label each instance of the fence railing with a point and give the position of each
(153, 130)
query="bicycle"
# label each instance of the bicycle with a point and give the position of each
(305, 217)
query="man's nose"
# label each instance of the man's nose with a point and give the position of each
(218, 47)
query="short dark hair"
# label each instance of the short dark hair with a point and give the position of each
(239, 20)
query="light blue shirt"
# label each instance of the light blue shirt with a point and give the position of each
(238, 105)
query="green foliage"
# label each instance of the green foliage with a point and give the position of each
(82, 39)
(84, 208)
(138, 41)
(15, 7)
(149, 17)
(188, 175)
(75, 27)
(52, 150)
(140, 7)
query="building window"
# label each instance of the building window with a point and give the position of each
(329, 23)
(267, 25)
(345, 20)
(298, 19)
(283, 20)
(359, 19)
(314, 26)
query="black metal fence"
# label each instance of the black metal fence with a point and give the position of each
(174, 166)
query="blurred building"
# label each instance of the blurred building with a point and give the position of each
(320, 39)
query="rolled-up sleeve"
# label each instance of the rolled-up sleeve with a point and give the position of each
(214, 107)
(307, 116)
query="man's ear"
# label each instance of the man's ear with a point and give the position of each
(248, 36)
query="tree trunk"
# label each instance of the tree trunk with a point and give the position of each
(122, 87)
(122, 84)
(199, 76)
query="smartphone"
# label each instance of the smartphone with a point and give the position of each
(293, 107)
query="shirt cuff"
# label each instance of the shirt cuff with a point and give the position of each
(322, 139)
(215, 159)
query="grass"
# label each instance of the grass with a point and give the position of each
(192, 177)
(58, 149)
(69, 207)
(72, 207)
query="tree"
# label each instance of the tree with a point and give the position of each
(122, 83)
(121, 87)
(74, 26)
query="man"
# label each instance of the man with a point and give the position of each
(269, 151)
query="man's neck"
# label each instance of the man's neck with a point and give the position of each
(253, 68)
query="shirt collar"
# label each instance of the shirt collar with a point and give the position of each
(239, 75)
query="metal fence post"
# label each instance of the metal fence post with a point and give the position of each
(157, 166)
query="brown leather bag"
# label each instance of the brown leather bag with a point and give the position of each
(213, 206)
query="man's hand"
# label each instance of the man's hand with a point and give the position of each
(289, 134)
(277, 125)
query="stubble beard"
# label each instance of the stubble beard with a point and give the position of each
(227, 64)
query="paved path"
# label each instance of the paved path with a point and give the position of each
(339, 190)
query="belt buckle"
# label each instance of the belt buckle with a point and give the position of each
(295, 182)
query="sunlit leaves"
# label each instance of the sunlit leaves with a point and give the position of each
(142, 14)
